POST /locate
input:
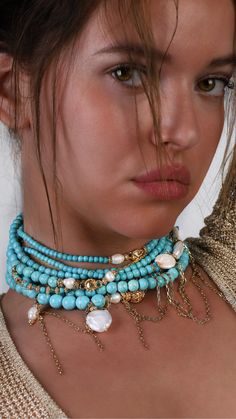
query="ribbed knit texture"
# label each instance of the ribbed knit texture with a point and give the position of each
(215, 249)
(21, 395)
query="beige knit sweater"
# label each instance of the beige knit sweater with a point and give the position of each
(22, 396)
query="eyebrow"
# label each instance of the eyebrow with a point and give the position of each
(157, 54)
(135, 49)
(221, 61)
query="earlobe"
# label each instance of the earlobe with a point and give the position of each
(7, 94)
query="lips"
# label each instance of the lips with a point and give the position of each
(167, 183)
(166, 173)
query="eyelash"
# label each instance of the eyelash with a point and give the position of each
(227, 81)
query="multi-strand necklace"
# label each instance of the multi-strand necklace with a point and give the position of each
(61, 286)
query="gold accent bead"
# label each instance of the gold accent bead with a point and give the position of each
(137, 254)
(133, 297)
(91, 284)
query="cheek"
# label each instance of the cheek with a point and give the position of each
(96, 145)
(211, 125)
(96, 129)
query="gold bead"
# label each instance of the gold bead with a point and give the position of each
(92, 284)
(133, 297)
(137, 254)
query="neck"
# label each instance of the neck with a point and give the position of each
(77, 237)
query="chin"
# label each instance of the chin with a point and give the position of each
(146, 227)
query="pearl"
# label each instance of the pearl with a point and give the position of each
(165, 261)
(32, 314)
(99, 320)
(69, 283)
(176, 232)
(117, 258)
(115, 298)
(110, 276)
(178, 249)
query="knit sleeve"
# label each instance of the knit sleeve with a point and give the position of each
(215, 249)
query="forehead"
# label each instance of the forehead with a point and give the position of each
(192, 29)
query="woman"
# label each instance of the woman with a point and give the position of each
(118, 108)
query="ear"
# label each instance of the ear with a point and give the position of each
(7, 95)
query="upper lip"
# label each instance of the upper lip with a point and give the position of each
(178, 173)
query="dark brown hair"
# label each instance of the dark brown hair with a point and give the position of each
(37, 32)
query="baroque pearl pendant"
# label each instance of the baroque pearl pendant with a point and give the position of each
(99, 320)
(32, 314)
(165, 261)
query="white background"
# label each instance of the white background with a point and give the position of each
(190, 221)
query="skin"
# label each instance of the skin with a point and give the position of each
(102, 211)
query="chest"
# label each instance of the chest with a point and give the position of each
(189, 371)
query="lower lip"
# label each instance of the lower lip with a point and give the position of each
(164, 190)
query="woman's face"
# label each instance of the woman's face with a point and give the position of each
(100, 154)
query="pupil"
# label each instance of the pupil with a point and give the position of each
(126, 73)
(208, 84)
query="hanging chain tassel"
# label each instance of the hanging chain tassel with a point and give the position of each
(183, 311)
(137, 318)
(74, 326)
(49, 343)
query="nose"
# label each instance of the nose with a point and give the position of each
(178, 119)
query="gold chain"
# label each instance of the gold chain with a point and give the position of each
(74, 326)
(139, 317)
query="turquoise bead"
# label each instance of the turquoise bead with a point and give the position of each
(133, 285)
(69, 302)
(90, 293)
(102, 290)
(143, 271)
(161, 281)
(20, 267)
(55, 301)
(173, 273)
(43, 279)
(35, 276)
(82, 302)
(79, 293)
(152, 283)
(149, 269)
(143, 284)
(98, 300)
(27, 272)
(52, 281)
(43, 298)
(122, 286)
(136, 273)
(18, 288)
(111, 287)
(30, 293)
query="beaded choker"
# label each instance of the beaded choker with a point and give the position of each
(157, 265)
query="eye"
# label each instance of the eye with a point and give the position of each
(215, 86)
(129, 75)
